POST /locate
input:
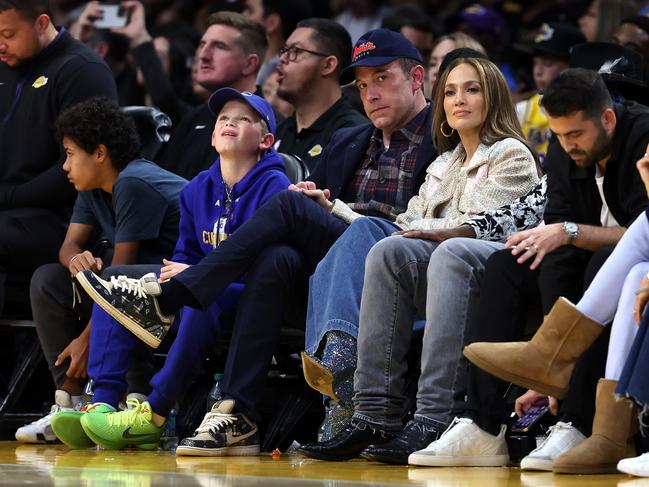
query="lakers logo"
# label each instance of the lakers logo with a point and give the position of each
(40, 82)
(316, 150)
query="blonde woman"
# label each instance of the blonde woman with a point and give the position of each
(441, 47)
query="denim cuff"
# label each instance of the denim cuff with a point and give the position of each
(387, 425)
(438, 425)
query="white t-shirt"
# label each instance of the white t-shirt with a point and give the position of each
(605, 217)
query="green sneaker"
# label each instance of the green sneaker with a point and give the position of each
(133, 427)
(66, 425)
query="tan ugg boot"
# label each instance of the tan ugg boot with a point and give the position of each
(545, 363)
(615, 424)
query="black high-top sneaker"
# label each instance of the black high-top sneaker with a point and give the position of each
(222, 432)
(132, 302)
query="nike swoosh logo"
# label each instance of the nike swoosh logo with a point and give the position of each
(236, 438)
(127, 435)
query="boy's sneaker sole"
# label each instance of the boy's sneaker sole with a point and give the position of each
(235, 451)
(67, 428)
(108, 445)
(129, 324)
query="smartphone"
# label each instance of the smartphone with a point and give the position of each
(113, 16)
(533, 415)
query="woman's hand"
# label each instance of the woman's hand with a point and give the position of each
(641, 299)
(532, 398)
(643, 169)
(171, 269)
(439, 235)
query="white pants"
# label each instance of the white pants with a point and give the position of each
(611, 295)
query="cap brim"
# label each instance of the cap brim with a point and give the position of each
(545, 51)
(221, 97)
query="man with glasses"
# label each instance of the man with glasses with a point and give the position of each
(308, 75)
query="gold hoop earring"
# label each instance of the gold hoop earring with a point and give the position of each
(441, 129)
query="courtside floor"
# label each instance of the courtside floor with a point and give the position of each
(47, 465)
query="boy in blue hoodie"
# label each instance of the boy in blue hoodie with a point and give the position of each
(212, 206)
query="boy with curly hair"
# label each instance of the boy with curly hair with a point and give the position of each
(130, 202)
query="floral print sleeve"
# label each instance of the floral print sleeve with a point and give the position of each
(526, 212)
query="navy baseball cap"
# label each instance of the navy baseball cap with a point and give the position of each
(379, 47)
(262, 107)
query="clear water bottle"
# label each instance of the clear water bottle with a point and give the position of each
(215, 394)
(169, 438)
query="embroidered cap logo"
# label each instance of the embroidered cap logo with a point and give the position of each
(362, 50)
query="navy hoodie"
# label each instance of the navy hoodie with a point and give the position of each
(203, 205)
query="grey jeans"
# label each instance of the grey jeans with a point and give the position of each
(403, 278)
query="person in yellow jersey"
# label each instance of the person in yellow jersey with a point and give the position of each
(551, 52)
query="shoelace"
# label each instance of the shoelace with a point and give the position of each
(455, 421)
(128, 417)
(215, 421)
(46, 419)
(555, 429)
(128, 285)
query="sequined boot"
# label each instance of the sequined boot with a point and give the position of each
(337, 415)
(332, 371)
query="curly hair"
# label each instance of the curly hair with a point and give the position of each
(99, 121)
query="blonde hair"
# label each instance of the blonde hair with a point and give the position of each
(461, 40)
(500, 122)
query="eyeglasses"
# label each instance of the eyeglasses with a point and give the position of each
(293, 51)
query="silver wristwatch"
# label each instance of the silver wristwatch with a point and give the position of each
(572, 230)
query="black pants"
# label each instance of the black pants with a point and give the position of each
(278, 248)
(29, 238)
(507, 291)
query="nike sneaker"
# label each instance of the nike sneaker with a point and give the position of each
(40, 431)
(222, 433)
(66, 425)
(133, 427)
(132, 302)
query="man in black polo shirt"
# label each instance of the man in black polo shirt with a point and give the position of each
(308, 75)
(42, 72)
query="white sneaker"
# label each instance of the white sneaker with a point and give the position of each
(40, 431)
(464, 444)
(638, 466)
(123, 406)
(562, 437)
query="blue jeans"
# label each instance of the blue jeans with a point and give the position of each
(335, 287)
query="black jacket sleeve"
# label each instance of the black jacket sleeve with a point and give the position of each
(49, 189)
(157, 82)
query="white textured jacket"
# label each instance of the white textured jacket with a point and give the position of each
(496, 175)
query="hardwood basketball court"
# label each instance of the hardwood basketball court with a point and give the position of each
(56, 465)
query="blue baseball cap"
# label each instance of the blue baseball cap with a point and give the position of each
(379, 47)
(221, 96)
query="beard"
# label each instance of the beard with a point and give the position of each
(601, 148)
